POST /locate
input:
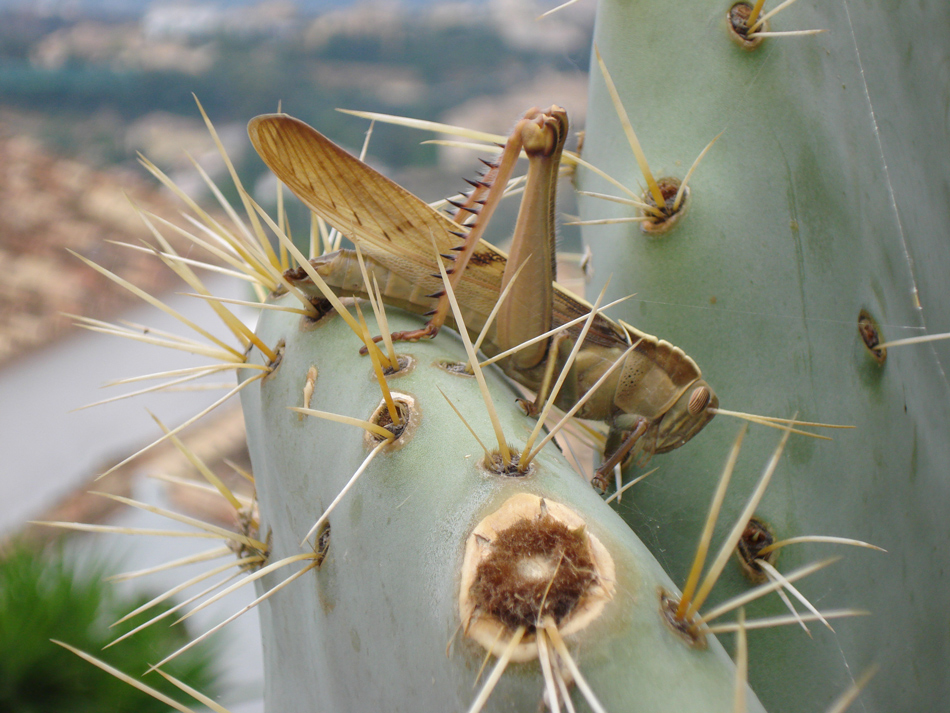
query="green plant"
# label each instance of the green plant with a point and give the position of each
(43, 597)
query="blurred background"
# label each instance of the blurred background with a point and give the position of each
(85, 85)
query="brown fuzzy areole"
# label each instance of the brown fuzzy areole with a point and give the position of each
(531, 559)
(537, 569)
(657, 225)
(755, 538)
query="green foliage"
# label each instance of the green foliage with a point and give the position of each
(43, 597)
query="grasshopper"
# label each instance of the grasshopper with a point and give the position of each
(655, 402)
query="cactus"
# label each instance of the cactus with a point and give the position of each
(394, 558)
(818, 204)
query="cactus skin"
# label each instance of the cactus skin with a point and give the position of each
(368, 630)
(802, 215)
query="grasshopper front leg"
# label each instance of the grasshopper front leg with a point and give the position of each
(621, 439)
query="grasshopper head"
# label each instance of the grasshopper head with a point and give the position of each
(686, 417)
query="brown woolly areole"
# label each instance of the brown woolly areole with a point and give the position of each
(870, 335)
(755, 538)
(531, 559)
(275, 364)
(656, 226)
(409, 411)
(325, 312)
(321, 546)
(405, 364)
(737, 20)
(688, 631)
(494, 464)
(456, 368)
(247, 522)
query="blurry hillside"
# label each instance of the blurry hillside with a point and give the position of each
(80, 95)
(48, 204)
(102, 83)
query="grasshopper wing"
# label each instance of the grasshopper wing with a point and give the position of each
(383, 218)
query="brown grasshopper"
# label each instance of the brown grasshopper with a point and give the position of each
(656, 401)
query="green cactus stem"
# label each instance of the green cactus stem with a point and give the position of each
(409, 570)
(823, 203)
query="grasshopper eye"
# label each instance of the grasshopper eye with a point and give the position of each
(698, 400)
